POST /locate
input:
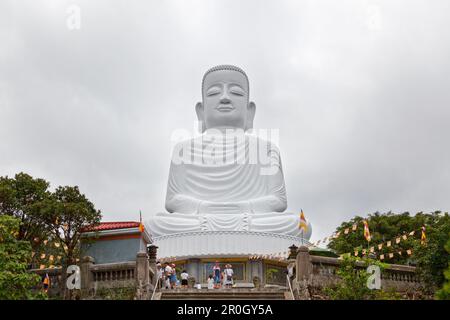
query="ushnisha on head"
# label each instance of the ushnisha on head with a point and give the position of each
(226, 103)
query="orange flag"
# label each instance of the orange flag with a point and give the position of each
(366, 231)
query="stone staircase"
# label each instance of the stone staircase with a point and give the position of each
(223, 294)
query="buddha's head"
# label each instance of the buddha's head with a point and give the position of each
(225, 96)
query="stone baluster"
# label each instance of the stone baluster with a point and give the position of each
(142, 275)
(87, 276)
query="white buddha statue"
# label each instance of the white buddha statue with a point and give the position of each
(227, 179)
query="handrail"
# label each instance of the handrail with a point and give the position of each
(290, 287)
(156, 286)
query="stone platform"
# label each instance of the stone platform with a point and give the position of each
(223, 244)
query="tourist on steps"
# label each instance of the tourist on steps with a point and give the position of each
(167, 274)
(228, 275)
(216, 270)
(210, 282)
(173, 277)
(184, 279)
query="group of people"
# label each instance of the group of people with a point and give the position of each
(167, 276)
(218, 278)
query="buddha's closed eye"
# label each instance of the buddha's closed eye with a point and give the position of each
(237, 91)
(213, 91)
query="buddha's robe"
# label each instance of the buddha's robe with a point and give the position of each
(219, 183)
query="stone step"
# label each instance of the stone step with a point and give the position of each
(222, 295)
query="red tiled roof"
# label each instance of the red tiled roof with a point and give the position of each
(112, 226)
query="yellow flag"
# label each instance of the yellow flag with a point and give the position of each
(423, 237)
(303, 224)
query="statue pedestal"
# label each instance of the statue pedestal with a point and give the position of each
(223, 244)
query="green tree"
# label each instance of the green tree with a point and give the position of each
(431, 257)
(15, 255)
(67, 212)
(353, 282)
(21, 197)
(444, 293)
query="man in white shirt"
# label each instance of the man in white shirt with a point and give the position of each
(167, 272)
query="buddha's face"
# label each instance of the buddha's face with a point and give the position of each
(225, 100)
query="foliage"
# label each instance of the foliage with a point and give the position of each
(67, 212)
(15, 255)
(51, 222)
(353, 282)
(323, 253)
(444, 292)
(21, 197)
(122, 293)
(431, 259)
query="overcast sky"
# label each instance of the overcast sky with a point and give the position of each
(358, 89)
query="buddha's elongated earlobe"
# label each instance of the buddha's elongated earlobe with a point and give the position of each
(251, 109)
(200, 116)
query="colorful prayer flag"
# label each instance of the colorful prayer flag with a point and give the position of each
(423, 237)
(366, 231)
(303, 224)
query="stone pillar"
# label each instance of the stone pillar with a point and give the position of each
(152, 253)
(87, 276)
(303, 264)
(142, 275)
(193, 269)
